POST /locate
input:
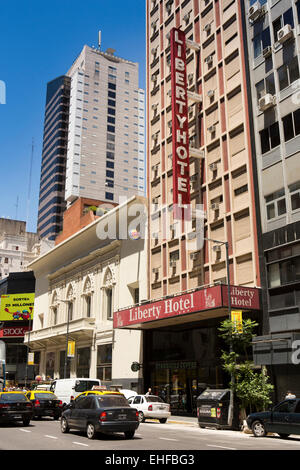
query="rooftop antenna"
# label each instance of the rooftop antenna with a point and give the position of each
(29, 183)
(17, 207)
(99, 39)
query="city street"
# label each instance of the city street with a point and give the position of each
(174, 436)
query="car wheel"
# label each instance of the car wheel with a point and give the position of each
(129, 434)
(26, 421)
(141, 417)
(163, 420)
(258, 429)
(90, 431)
(64, 425)
(283, 436)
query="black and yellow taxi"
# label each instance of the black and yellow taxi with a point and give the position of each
(15, 406)
(103, 411)
(44, 403)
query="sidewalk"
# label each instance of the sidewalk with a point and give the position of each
(188, 420)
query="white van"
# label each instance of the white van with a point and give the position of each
(68, 389)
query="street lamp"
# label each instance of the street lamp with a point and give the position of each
(67, 335)
(230, 411)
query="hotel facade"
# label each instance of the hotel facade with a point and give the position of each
(199, 153)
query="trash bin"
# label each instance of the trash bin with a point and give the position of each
(213, 408)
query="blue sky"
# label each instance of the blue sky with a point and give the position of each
(39, 40)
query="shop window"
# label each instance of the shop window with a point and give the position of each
(104, 362)
(83, 362)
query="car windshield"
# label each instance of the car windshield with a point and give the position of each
(84, 385)
(153, 399)
(111, 400)
(13, 397)
(45, 396)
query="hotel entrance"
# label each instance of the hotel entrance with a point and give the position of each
(191, 364)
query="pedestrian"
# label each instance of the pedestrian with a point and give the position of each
(149, 392)
(290, 395)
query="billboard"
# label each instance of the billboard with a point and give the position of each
(16, 307)
(180, 125)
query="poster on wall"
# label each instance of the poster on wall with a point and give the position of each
(16, 307)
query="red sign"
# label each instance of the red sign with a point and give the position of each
(246, 298)
(180, 127)
(13, 331)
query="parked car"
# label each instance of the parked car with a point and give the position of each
(150, 407)
(68, 389)
(101, 412)
(283, 419)
(14, 406)
(127, 393)
(95, 392)
(45, 403)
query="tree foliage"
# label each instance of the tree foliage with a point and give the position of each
(250, 385)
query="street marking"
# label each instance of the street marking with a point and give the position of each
(24, 430)
(222, 447)
(168, 439)
(51, 437)
(80, 444)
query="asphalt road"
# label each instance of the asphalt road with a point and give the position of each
(45, 435)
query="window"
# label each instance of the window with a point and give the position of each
(111, 86)
(104, 362)
(261, 41)
(112, 94)
(295, 195)
(111, 119)
(109, 174)
(70, 311)
(110, 164)
(88, 305)
(286, 18)
(109, 196)
(111, 128)
(54, 315)
(291, 125)
(83, 362)
(265, 86)
(269, 138)
(108, 293)
(275, 204)
(285, 407)
(288, 73)
(284, 272)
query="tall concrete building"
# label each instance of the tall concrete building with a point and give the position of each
(187, 285)
(273, 49)
(94, 136)
(105, 157)
(53, 169)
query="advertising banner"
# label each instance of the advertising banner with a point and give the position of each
(16, 307)
(13, 331)
(236, 318)
(180, 126)
(71, 349)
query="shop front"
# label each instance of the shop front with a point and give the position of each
(181, 344)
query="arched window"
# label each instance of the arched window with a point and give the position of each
(54, 309)
(70, 303)
(108, 294)
(87, 295)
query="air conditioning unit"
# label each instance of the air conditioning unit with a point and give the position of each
(154, 77)
(193, 178)
(210, 93)
(155, 270)
(217, 248)
(190, 77)
(155, 235)
(194, 256)
(214, 206)
(211, 129)
(155, 200)
(285, 33)
(207, 28)
(173, 263)
(208, 59)
(213, 166)
(255, 11)
(266, 102)
(267, 51)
